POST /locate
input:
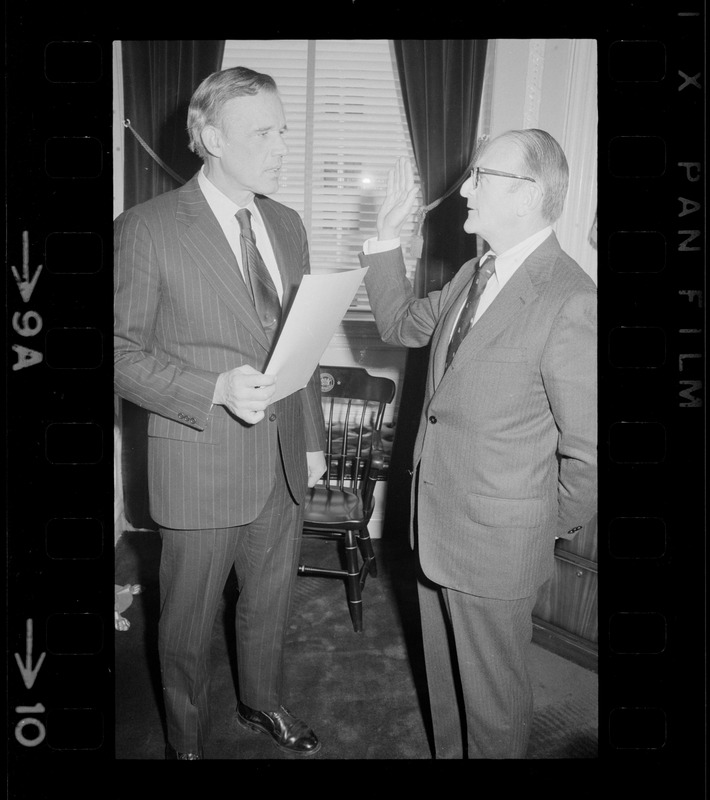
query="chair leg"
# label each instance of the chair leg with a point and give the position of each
(352, 582)
(368, 554)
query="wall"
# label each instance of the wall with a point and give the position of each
(118, 130)
(120, 524)
(552, 84)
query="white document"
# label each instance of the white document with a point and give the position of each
(317, 310)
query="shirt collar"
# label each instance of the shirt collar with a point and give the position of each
(511, 259)
(224, 208)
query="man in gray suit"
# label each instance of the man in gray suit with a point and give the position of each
(505, 457)
(201, 275)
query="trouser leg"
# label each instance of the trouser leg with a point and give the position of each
(441, 671)
(194, 567)
(266, 565)
(492, 645)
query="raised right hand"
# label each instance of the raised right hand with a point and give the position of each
(399, 200)
(245, 392)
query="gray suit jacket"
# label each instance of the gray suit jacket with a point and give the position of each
(182, 316)
(506, 449)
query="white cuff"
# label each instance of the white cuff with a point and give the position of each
(218, 395)
(374, 245)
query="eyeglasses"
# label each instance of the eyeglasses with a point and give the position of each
(476, 173)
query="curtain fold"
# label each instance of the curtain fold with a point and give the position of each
(159, 78)
(442, 85)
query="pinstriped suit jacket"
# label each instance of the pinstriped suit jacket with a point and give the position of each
(506, 447)
(182, 316)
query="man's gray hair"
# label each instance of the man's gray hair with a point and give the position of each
(542, 158)
(209, 98)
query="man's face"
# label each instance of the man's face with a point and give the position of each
(492, 207)
(251, 146)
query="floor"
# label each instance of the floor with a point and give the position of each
(364, 694)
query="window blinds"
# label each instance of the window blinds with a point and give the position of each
(346, 127)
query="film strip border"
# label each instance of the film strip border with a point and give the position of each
(60, 413)
(652, 256)
(59, 410)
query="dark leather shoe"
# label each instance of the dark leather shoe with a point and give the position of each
(289, 733)
(171, 754)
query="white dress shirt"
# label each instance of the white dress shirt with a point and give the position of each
(225, 210)
(506, 264)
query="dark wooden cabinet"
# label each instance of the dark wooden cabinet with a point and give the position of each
(565, 618)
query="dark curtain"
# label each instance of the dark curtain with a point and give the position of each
(159, 78)
(442, 85)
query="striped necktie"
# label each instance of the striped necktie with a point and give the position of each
(257, 277)
(480, 279)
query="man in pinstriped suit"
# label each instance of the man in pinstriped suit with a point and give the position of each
(505, 457)
(228, 471)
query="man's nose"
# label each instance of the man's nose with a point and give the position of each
(467, 187)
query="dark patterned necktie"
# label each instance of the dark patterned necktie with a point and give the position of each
(463, 326)
(257, 277)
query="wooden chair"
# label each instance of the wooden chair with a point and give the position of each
(340, 506)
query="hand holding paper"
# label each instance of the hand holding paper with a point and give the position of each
(317, 310)
(245, 392)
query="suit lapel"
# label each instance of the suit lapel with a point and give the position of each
(449, 315)
(205, 241)
(518, 292)
(286, 245)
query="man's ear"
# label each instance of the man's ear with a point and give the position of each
(530, 199)
(212, 140)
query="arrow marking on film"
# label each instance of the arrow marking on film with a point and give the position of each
(29, 675)
(24, 284)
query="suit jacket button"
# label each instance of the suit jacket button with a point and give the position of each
(433, 419)
(272, 417)
(181, 415)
